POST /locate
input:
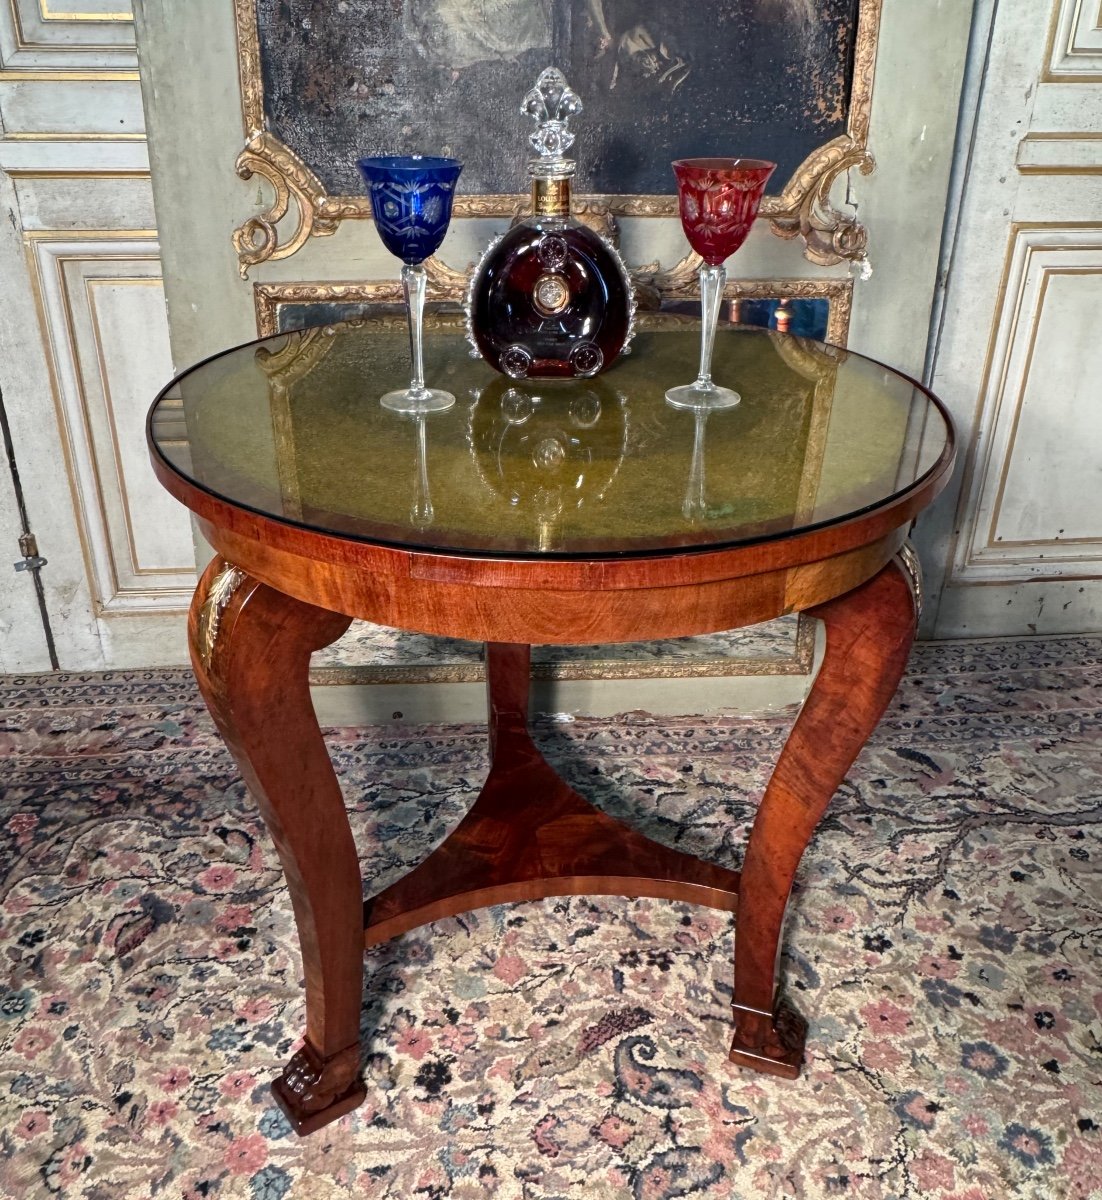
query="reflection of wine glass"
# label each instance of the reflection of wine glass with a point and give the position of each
(719, 199)
(420, 511)
(411, 201)
(695, 505)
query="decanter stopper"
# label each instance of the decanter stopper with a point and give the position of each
(551, 104)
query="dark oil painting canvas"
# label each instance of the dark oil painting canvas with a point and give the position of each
(758, 78)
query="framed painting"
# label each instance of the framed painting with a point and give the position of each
(788, 80)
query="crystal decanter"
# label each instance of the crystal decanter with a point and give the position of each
(551, 297)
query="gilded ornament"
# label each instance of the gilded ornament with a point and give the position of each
(909, 560)
(225, 583)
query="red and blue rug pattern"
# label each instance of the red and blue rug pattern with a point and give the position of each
(945, 943)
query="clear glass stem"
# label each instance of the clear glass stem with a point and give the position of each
(421, 513)
(413, 284)
(712, 282)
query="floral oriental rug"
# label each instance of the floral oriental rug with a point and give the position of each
(945, 943)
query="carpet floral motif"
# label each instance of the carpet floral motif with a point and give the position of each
(944, 943)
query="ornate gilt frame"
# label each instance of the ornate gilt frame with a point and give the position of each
(447, 284)
(803, 209)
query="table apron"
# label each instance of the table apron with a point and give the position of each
(546, 615)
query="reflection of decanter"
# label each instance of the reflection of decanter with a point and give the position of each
(551, 297)
(548, 448)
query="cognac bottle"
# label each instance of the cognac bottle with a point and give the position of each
(551, 297)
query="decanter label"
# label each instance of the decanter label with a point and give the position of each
(551, 197)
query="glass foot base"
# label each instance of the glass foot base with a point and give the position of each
(424, 401)
(693, 395)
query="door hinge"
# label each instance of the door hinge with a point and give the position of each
(31, 560)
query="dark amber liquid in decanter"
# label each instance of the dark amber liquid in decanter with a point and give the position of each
(551, 299)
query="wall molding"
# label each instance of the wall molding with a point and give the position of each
(1037, 255)
(42, 43)
(1078, 153)
(1074, 53)
(69, 271)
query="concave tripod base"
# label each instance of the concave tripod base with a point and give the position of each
(425, 401)
(529, 836)
(692, 395)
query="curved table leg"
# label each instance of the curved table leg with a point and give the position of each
(869, 633)
(250, 648)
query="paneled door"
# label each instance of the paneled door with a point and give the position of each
(1020, 356)
(84, 339)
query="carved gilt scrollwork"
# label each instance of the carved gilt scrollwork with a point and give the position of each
(257, 239)
(804, 208)
(449, 285)
(297, 357)
(444, 283)
(830, 236)
(838, 293)
(653, 282)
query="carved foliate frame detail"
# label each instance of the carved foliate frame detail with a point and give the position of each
(257, 239)
(444, 283)
(803, 209)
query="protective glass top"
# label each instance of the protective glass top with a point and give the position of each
(291, 428)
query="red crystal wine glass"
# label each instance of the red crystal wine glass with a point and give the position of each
(718, 199)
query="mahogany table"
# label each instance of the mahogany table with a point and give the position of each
(586, 511)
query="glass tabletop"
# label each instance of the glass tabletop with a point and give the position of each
(291, 428)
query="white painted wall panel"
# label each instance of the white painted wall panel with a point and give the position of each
(75, 200)
(61, 26)
(72, 157)
(38, 108)
(91, 11)
(79, 365)
(1076, 39)
(1038, 449)
(1018, 357)
(1067, 153)
(131, 330)
(103, 305)
(1059, 421)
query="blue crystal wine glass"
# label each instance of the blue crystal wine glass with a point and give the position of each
(411, 201)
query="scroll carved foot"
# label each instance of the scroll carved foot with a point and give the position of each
(772, 1044)
(313, 1091)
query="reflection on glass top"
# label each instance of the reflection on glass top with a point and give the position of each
(292, 428)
